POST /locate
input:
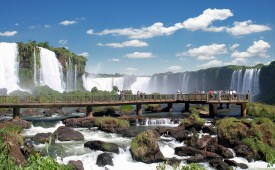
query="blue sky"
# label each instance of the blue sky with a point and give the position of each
(147, 36)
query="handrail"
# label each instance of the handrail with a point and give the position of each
(125, 98)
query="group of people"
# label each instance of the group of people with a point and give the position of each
(140, 95)
(231, 93)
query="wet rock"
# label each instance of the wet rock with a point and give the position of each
(64, 133)
(186, 151)
(178, 133)
(104, 159)
(43, 138)
(236, 164)
(129, 134)
(27, 148)
(209, 129)
(203, 142)
(77, 165)
(219, 164)
(144, 147)
(244, 151)
(30, 112)
(21, 123)
(195, 159)
(224, 152)
(80, 122)
(103, 146)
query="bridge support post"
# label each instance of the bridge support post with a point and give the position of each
(213, 108)
(170, 107)
(243, 109)
(186, 107)
(89, 111)
(16, 113)
(139, 109)
(227, 105)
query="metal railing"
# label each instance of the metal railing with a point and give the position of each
(117, 98)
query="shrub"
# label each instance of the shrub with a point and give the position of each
(104, 121)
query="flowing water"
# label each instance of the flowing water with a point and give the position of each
(75, 150)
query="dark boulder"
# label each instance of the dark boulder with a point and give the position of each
(104, 159)
(43, 138)
(224, 152)
(77, 165)
(219, 164)
(30, 112)
(103, 146)
(144, 147)
(129, 134)
(203, 142)
(245, 151)
(236, 164)
(80, 122)
(178, 133)
(21, 123)
(195, 159)
(211, 130)
(64, 133)
(190, 151)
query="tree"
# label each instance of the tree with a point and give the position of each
(115, 88)
(94, 89)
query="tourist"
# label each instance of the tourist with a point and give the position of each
(210, 94)
(178, 94)
(219, 95)
(138, 95)
(231, 94)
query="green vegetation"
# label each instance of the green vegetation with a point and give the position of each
(29, 53)
(258, 134)
(192, 166)
(261, 110)
(104, 121)
(126, 108)
(193, 119)
(9, 134)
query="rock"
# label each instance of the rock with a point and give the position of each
(224, 152)
(103, 146)
(153, 108)
(144, 147)
(186, 151)
(193, 121)
(77, 165)
(112, 125)
(64, 133)
(245, 151)
(28, 147)
(79, 122)
(43, 138)
(21, 123)
(196, 158)
(211, 130)
(129, 134)
(219, 164)
(104, 159)
(203, 142)
(212, 145)
(178, 133)
(236, 164)
(30, 112)
(162, 130)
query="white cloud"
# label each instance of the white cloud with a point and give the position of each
(40, 26)
(203, 21)
(67, 22)
(213, 63)
(84, 54)
(131, 69)
(8, 33)
(246, 27)
(174, 68)
(238, 61)
(63, 42)
(47, 26)
(131, 43)
(16, 24)
(205, 52)
(90, 31)
(234, 46)
(258, 49)
(188, 45)
(140, 55)
(114, 60)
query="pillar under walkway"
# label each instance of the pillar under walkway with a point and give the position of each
(89, 111)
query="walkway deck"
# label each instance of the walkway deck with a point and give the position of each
(18, 102)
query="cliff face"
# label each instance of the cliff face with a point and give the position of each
(73, 66)
(267, 84)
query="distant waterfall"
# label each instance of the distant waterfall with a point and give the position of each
(185, 81)
(236, 81)
(51, 70)
(9, 66)
(71, 76)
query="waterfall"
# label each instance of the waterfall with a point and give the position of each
(141, 84)
(75, 77)
(185, 79)
(51, 70)
(251, 81)
(9, 66)
(35, 80)
(236, 81)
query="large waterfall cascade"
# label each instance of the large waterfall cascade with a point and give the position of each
(71, 76)
(9, 66)
(244, 81)
(51, 70)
